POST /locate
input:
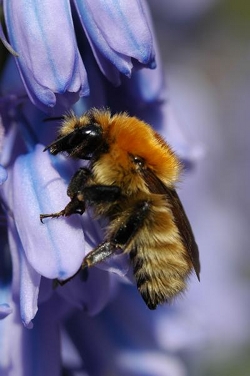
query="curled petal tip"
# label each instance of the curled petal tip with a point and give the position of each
(3, 175)
(153, 64)
(5, 310)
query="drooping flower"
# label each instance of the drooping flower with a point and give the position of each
(49, 59)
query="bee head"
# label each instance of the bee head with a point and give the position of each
(122, 149)
(81, 137)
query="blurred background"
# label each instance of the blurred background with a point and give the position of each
(205, 45)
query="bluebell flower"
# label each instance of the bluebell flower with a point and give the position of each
(49, 60)
(91, 53)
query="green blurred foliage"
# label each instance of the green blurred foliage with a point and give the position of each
(237, 9)
(235, 13)
(237, 365)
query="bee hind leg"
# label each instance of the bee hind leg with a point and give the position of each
(121, 238)
(99, 254)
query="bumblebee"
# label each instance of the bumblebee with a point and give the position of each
(130, 180)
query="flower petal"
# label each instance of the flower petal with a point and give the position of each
(55, 249)
(91, 294)
(26, 281)
(29, 289)
(5, 310)
(108, 69)
(114, 329)
(36, 31)
(124, 27)
(119, 30)
(30, 352)
(44, 340)
(149, 83)
(3, 174)
(2, 132)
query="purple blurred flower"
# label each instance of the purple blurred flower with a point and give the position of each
(3, 172)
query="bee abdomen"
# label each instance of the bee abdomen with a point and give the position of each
(159, 275)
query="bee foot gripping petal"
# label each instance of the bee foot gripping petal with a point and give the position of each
(57, 245)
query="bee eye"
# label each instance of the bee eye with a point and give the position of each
(138, 161)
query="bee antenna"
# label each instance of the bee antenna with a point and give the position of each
(53, 118)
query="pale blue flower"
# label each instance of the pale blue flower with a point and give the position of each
(49, 59)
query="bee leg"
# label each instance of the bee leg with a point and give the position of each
(74, 207)
(97, 194)
(99, 254)
(121, 238)
(78, 181)
(77, 204)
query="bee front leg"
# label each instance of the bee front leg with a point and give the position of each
(121, 238)
(74, 207)
(74, 191)
(92, 194)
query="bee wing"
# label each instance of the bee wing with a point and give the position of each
(155, 185)
(184, 228)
